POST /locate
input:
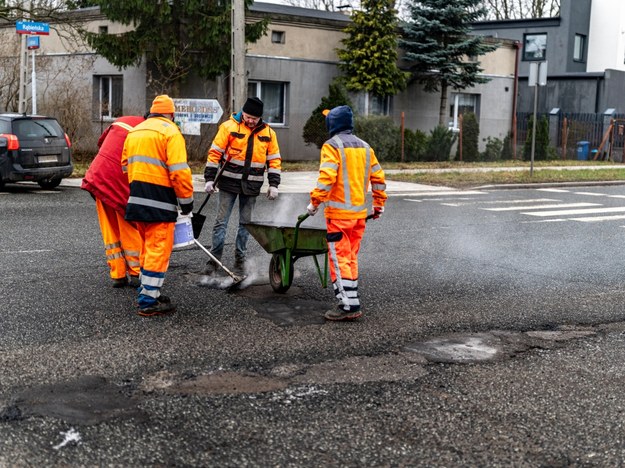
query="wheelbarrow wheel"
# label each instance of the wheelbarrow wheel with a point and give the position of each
(275, 275)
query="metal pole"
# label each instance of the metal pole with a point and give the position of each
(534, 131)
(21, 105)
(34, 86)
(238, 85)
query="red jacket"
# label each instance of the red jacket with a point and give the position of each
(104, 179)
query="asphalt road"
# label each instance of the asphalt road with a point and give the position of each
(492, 336)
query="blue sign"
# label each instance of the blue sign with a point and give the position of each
(32, 42)
(30, 27)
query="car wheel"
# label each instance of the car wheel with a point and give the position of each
(49, 183)
(1, 185)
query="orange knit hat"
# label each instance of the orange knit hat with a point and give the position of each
(162, 104)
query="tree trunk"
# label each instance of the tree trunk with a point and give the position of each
(442, 113)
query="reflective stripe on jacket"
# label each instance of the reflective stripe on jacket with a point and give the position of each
(348, 167)
(155, 158)
(250, 151)
(105, 179)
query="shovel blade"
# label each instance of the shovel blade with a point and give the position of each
(197, 222)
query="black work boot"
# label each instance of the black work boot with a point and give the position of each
(211, 267)
(239, 266)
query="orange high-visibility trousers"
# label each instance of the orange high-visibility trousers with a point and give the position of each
(122, 242)
(158, 241)
(344, 236)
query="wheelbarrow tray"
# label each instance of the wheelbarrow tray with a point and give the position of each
(275, 237)
(287, 243)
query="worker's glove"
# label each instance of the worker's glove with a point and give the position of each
(312, 209)
(377, 211)
(186, 208)
(210, 187)
(272, 193)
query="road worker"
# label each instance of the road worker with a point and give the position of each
(347, 168)
(161, 186)
(247, 147)
(108, 185)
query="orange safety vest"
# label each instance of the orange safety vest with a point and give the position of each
(348, 167)
(249, 151)
(155, 158)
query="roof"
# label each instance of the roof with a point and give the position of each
(274, 9)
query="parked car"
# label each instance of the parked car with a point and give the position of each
(35, 148)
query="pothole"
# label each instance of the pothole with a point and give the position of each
(88, 400)
(459, 348)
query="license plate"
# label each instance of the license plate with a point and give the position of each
(47, 159)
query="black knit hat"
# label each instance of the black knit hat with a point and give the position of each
(253, 106)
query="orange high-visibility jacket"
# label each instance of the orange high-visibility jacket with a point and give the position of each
(155, 158)
(348, 166)
(249, 150)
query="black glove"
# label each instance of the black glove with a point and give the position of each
(186, 208)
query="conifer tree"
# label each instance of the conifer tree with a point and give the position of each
(369, 59)
(438, 48)
(179, 36)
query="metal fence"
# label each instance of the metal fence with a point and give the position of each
(575, 127)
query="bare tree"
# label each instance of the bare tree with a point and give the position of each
(521, 9)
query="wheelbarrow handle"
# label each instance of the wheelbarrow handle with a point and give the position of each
(301, 218)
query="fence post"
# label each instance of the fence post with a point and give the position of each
(554, 126)
(460, 120)
(565, 136)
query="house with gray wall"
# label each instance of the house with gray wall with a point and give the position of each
(290, 68)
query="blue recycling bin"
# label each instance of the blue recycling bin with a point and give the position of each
(583, 150)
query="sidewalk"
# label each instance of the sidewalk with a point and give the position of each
(304, 182)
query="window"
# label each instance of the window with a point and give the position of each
(108, 96)
(535, 47)
(273, 96)
(578, 48)
(103, 30)
(462, 104)
(277, 37)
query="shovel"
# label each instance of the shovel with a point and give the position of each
(236, 280)
(198, 219)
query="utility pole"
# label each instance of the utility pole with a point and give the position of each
(537, 77)
(237, 66)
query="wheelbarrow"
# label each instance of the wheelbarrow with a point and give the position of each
(287, 244)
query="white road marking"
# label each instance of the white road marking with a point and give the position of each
(459, 193)
(590, 219)
(591, 194)
(494, 202)
(541, 207)
(557, 190)
(615, 209)
(556, 220)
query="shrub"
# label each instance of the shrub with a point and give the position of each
(415, 145)
(492, 152)
(541, 149)
(439, 144)
(470, 138)
(506, 150)
(382, 134)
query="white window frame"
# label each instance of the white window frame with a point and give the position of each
(579, 46)
(106, 92)
(257, 88)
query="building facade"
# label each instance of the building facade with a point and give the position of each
(290, 68)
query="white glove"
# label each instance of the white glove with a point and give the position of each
(312, 209)
(210, 187)
(272, 193)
